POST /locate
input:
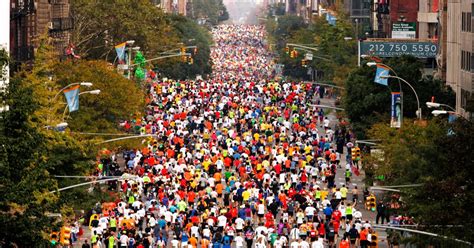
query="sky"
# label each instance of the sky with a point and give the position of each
(243, 11)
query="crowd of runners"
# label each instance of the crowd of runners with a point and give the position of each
(238, 160)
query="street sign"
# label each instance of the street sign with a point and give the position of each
(399, 48)
(404, 30)
(308, 56)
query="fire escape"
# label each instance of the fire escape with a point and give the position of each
(23, 28)
(61, 24)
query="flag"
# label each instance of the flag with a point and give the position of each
(452, 117)
(72, 97)
(381, 71)
(331, 19)
(120, 49)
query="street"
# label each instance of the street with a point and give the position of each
(240, 174)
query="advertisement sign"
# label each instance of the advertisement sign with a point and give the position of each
(396, 115)
(404, 30)
(399, 48)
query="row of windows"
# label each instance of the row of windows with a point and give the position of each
(466, 22)
(467, 61)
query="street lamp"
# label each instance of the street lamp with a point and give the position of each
(439, 112)
(418, 112)
(370, 63)
(62, 125)
(437, 105)
(373, 63)
(87, 84)
(92, 92)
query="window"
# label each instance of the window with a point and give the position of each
(466, 22)
(472, 62)
(466, 61)
(463, 20)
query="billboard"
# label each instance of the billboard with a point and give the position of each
(404, 30)
(399, 48)
(4, 37)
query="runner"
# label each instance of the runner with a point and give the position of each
(238, 157)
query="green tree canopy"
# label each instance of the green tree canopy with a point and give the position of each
(214, 11)
(31, 153)
(367, 103)
(335, 56)
(191, 34)
(436, 156)
(119, 99)
(100, 25)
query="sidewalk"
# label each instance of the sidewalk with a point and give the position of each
(355, 180)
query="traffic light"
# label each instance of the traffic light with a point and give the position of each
(354, 154)
(65, 235)
(287, 50)
(53, 238)
(184, 58)
(183, 50)
(293, 54)
(195, 51)
(358, 156)
(304, 63)
(371, 204)
(190, 60)
(374, 242)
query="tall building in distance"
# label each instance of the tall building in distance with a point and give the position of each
(29, 19)
(460, 53)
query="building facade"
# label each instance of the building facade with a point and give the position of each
(460, 53)
(29, 19)
(4, 42)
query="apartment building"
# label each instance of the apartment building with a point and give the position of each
(460, 53)
(29, 19)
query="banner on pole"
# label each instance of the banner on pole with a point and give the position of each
(72, 98)
(381, 71)
(120, 49)
(396, 115)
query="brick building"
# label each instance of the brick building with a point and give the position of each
(29, 19)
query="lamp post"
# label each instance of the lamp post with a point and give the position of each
(418, 113)
(399, 83)
(64, 124)
(87, 84)
(92, 92)
(437, 105)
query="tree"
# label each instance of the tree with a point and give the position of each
(119, 99)
(335, 56)
(32, 151)
(189, 33)
(367, 103)
(434, 156)
(100, 25)
(214, 11)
